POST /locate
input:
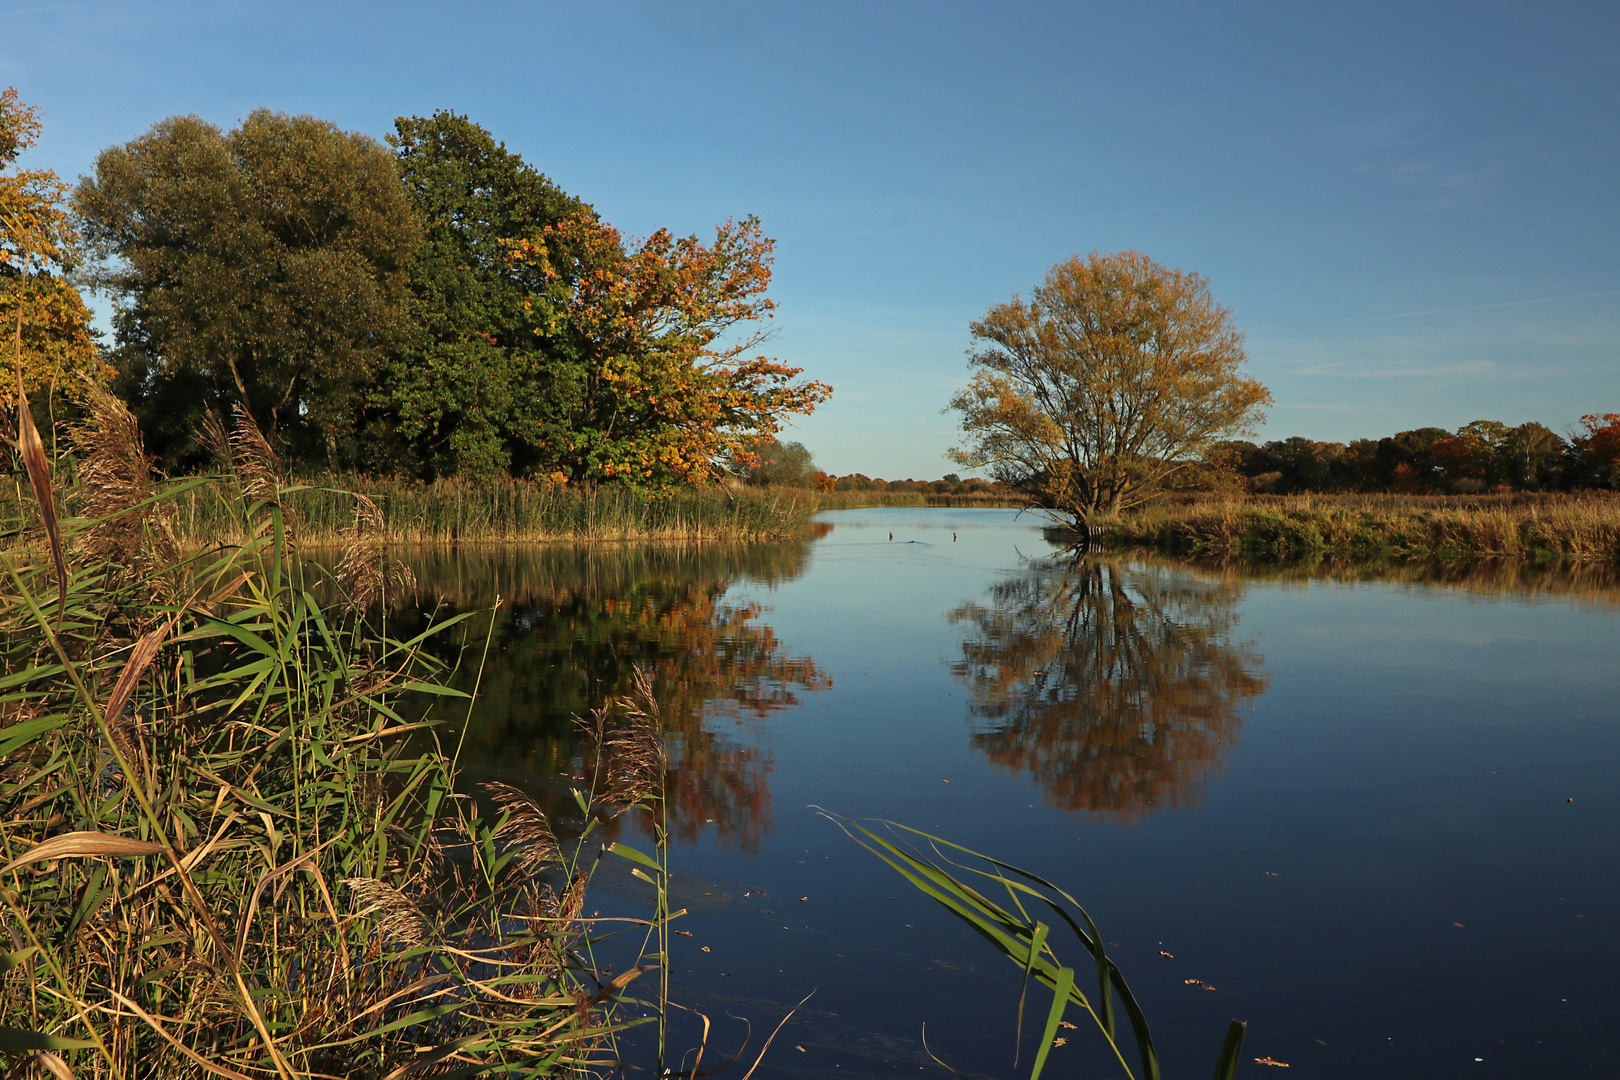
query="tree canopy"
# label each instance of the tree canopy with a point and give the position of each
(1116, 377)
(263, 266)
(38, 248)
(478, 386)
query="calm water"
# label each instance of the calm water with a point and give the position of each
(1343, 803)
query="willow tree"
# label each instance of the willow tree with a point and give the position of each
(1106, 387)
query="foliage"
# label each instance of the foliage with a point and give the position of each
(479, 387)
(667, 389)
(220, 857)
(1485, 455)
(1597, 448)
(1118, 689)
(264, 267)
(1117, 376)
(1021, 937)
(773, 462)
(38, 248)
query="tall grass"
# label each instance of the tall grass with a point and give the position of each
(508, 511)
(219, 855)
(1574, 526)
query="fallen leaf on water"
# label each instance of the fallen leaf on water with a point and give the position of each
(802, 899)
(800, 1049)
(1170, 956)
(684, 933)
(1066, 1024)
(1272, 1061)
(1193, 982)
(705, 948)
(1060, 1041)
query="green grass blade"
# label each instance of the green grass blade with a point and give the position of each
(1226, 1065)
(1060, 999)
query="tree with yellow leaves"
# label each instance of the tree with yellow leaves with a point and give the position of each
(46, 324)
(1108, 386)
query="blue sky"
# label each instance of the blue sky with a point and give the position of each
(1411, 208)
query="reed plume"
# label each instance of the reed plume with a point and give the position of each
(129, 531)
(397, 916)
(365, 572)
(624, 747)
(526, 827)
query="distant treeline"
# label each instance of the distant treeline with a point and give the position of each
(1483, 456)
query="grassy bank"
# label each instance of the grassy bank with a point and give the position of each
(505, 511)
(514, 511)
(1523, 525)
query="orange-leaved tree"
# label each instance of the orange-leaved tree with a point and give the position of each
(38, 247)
(662, 334)
(1599, 446)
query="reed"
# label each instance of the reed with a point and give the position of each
(1584, 525)
(969, 890)
(220, 854)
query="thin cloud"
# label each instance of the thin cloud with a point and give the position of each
(1489, 307)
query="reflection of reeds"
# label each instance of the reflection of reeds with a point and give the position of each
(1584, 525)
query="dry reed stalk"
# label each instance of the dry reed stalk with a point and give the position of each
(32, 448)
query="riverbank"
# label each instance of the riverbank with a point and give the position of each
(516, 511)
(1581, 525)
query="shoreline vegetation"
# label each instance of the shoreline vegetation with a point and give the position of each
(1523, 525)
(457, 512)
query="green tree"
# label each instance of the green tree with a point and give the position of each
(480, 385)
(1116, 377)
(773, 462)
(264, 266)
(1531, 454)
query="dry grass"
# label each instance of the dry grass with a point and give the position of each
(1584, 525)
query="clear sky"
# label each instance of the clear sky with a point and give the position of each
(1413, 209)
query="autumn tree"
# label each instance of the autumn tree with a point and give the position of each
(1118, 375)
(1597, 447)
(664, 333)
(39, 307)
(264, 266)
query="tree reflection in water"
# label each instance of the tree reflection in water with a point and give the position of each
(573, 626)
(1116, 686)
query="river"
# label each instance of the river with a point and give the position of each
(1370, 811)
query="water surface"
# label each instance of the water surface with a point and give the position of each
(1370, 811)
